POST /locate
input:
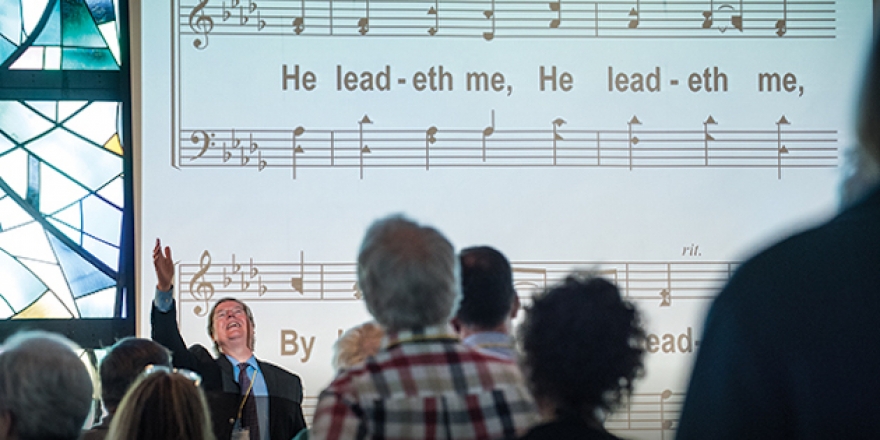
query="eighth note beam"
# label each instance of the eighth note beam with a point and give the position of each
(366, 80)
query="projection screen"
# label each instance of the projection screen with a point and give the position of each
(659, 143)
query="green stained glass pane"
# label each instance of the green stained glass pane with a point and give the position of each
(97, 122)
(6, 49)
(20, 287)
(10, 21)
(101, 220)
(13, 171)
(51, 33)
(57, 191)
(20, 123)
(78, 27)
(88, 164)
(98, 304)
(87, 59)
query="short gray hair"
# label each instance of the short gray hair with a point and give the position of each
(44, 385)
(408, 274)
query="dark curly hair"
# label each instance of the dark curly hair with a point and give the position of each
(582, 345)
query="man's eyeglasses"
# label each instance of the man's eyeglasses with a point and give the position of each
(189, 374)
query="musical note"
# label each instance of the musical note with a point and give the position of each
(556, 136)
(633, 140)
(363, 147)
(204, 290)
(707, 137)
(666, 294)
(298, 131)
(490, 15)
(433, 11)
(297, 282)
(782, 25)
(201, 24)
(780, 149)
(707, 15)
(635, 14)
(488, 131)
(299, 23)
(201, 137)
(557, 8)
(429, 140)
(665, 424)
(364, 22)
(737, 20)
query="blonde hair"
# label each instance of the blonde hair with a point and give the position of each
(162, 405)
(357, 344)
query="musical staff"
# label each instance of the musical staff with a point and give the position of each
(493, 19)
(635, 144)
(648, 412)
(655, 283)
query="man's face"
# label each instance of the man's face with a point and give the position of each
(231, 325)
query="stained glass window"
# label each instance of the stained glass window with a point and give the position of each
(65, 227)
(59, 34)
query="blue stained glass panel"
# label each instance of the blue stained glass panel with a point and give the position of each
(101, 219)
(102, 10)
(87, 164)
(51, 33)
(98, 304)
(81, 275)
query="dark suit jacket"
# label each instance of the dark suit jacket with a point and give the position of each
(790, 346)
(221, 390)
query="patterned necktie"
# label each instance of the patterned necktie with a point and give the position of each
(249, 412)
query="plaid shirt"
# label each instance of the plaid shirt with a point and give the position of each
(426, 385)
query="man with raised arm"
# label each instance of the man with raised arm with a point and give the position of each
(248, 398)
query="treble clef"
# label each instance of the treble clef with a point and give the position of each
(200, 289)
(200, 23)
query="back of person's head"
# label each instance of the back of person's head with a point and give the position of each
(162, 405)
(408, 274)
(868, 124)
(582, 346)
(124, 362)
(45, 389)
(486, 287)
(357, 344)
